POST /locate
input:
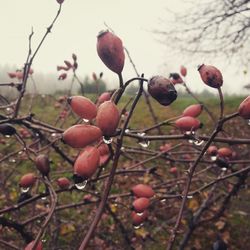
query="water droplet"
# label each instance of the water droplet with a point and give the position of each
(53, 134)
(141, 134)
(248, 122)
(198, 142)
(107, 140)
(190, 196)
(25, 189)
(224, 169)
(122, 148)
(81, 185)
(44, 240)
(127, 130)
(189, 133)
(12, 160)
(20, 152)
(190, 141)
(139, 214)
(144, 143)
(7, 136)
(138, 226)
(163, 200)
(213, 158)
(44, 198)
(85, 120)
(37, 135)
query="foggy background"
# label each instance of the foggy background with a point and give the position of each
(75, 32)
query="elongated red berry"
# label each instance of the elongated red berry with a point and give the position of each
(141, 204)
(110, 50)
(211, 76)
(142, 190)
(27, 180)
(79, 136)
(138, 219)
(187, 123)
(83, 107)
(103, 98)
(107, 118)
(43, 164)
(173, 170)
(212, 150)
(63, 182)
(87, 162)
(244, 108)
(31, 244)
(225, 152)
(162, 90)
(193, 110)
(183, 70)
(12, 74)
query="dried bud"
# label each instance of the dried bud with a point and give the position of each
(60, 1)
(94, 76)
(162, 90)
(211, 76)
(110, 50)
(62, 68)
(212, 150)
(74, 57)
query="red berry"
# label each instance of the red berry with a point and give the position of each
(162, 90)
(183, 70)
(104, 97)
(187, 123)
(12, 75)
(110, 50)
(79, 136)
(27, 180)
(107, 118)
(212, 150)
(103, 149)
(83, 107)
(193, 110)
(63, 182)
(137, 219)
(141, 204)
(43, 164)
(87, 162)
(244, 108)
(225, 152)
(142, 190)
(38, 247)
(173, 170)
(211, 76)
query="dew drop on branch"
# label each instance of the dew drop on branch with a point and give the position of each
(81, 185)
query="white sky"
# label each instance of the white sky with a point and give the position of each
(76, 30)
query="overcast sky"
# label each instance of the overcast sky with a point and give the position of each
(76, 30)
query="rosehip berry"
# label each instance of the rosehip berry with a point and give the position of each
(110, 50)
(162, 90)
(141, 204)
(63, 182)
(211, 76)
(27, 180)
(188, 123)
(183, 70)
(142, 190)
(244, 108)
(193, 110)
(43, 164)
